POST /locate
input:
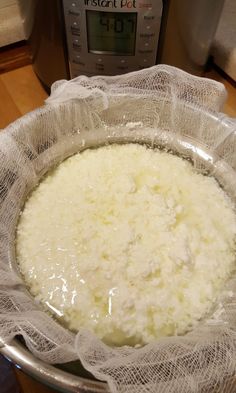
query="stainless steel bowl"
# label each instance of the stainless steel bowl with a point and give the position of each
(50, 375)
(185, 143)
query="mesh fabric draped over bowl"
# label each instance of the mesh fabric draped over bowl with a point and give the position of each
(161, 106)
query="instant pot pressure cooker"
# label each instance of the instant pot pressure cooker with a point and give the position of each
(109, 37)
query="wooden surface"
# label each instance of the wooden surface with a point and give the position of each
(29, 385)
(230, 85)
(20, 92)
(14, 56)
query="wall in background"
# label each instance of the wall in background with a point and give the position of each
(11, 25)
(6, 3)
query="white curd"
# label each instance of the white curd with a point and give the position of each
(128, 242)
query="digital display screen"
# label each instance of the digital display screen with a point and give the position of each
(111, 32)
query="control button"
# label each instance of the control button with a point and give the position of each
(74, 12)
(123, 66)
(145, 60)
(78, 60)
(149, 17)
(147, 35)
(75, 30)
(99, 60)
(123, 61)
(146, 44)
(77, 46)
(99, 67)
(148, 27)
(145, 51)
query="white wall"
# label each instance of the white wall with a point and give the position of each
(6, 3)
(11, 25)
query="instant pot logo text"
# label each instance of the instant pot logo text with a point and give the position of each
(111, 3)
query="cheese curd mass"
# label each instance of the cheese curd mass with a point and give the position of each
(128, 242)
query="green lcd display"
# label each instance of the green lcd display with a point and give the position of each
(111, 32)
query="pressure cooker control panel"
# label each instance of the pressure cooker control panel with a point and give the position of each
(108, 37)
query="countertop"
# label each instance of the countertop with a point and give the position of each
(20, 92)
